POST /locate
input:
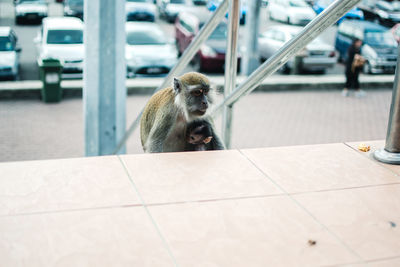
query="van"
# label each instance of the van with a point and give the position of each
(9, 54)
(379, 46)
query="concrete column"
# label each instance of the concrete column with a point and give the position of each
(104, 91)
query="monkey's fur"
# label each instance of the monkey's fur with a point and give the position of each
(200, 136)
(166, 115)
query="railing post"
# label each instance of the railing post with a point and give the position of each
(230, 68)
(391, 152)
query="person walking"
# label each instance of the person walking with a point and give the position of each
(354, 64)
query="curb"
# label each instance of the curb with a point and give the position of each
(32, 89)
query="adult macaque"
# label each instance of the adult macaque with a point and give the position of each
(166, 115)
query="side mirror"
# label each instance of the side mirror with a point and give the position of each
(18, 49)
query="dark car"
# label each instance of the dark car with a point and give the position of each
(383, 12)
(211, 56)
(73, 8)
(379, 46)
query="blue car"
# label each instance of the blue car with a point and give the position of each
(354, 13)
(212, 5)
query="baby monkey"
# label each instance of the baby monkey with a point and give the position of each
(199, 136)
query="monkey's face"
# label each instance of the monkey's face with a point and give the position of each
(198, 135)
(197, 99)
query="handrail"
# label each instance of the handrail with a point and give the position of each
(325, 19)
(188, 54)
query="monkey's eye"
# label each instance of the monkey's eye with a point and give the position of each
(205, 91)
(197, 92)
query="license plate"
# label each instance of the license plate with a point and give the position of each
(153, 70)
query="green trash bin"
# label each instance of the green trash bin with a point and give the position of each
(50, 74)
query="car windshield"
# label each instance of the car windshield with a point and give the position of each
(219, 33)
(75, 2)
(143, 37)
(6, 44)
(297, 3)
(65, 37)
(378, 38)
(177, 1)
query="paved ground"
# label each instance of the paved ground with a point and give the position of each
(33, 130)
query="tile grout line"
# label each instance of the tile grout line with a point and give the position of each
(164, 241)
(374, 161)
(303, 208)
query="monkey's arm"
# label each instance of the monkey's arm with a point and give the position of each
(216, 142)
(158, 135)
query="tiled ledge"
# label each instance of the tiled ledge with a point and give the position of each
(318, 205)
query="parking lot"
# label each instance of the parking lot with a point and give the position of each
(27, 32)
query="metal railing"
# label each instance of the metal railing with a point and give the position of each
(325, 19)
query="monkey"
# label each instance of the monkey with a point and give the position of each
(167, 113)
(199, 136)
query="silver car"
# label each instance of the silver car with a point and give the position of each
(148, 51)
(9, 54)
(317, 55)
(30, 10)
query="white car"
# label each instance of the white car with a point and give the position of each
(30, 10)
(317, 55)
(291, 11)
(148, 51)
(140, 10)
(9, 54)
(62, 38)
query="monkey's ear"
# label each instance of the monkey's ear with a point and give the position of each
(177, 85)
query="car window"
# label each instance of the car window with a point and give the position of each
(177, 1)
(6, 44)
(143, 37)
(379, 38)
(65, 37)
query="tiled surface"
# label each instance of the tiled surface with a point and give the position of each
(109, 237)
(366, 219)
(39, 186)
(318, 167)
(256, 207)
(269, 231)
(177, 177)
(375, 145)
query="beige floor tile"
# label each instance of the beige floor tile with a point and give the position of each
(103, 237)
(367, 219)
(270, 231)
(192, 176)
(318, 167)
(375, 145)
(38, 186)
(378, 263)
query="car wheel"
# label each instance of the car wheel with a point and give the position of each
(367, 68)
(286, 69)
(288, 20)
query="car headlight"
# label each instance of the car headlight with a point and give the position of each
(208, 51)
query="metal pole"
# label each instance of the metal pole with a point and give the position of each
(325, 19)
(250, 57)
(188, 54)
(230, 68)
(104, 91)
(391, 152)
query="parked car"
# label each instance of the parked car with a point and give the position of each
(211, 56)
(62, 38)
(291, 11)
(73, 8)
(148, 50)
(383, 12)
(212, 5)
(140, 10)
(354, 13)
(30, 10)
(379, 46)
(9, 54)
(317, 56)
(169, 9)
(396, 32)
